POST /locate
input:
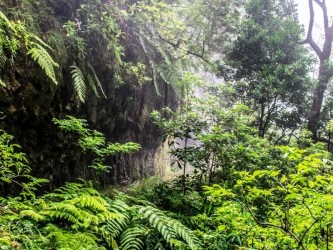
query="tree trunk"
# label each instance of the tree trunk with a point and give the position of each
(318, 98)
(325, 74)
(261, 120)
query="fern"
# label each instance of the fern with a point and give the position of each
(79, 217)
(153, 241)
(43, 58)
(8, 23)
(63, 239)
(80, 206)
(169, 228)
(40, 42)
(92, 85)
(2, 83)
(16, 34)
(32, 214)
(131, 239)
(95, 81)
(94, 141)
(79, 83)
(169, 74)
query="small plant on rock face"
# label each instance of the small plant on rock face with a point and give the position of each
(15, 37)
(94, 141)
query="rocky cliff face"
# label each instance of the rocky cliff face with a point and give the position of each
(30, 100)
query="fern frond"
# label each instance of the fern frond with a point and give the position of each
(184, 233)
(16, 204)
(153, 241)
(165, 55)
(96, 80)
(109, 233)
(95, 203)
(107, 236)
(32, 214)
(66, 192)
(71, 188)
(8, 23)
(92, 85)
(169, 73)
(107, 216)
(44, 60)
(115, 227)
(79, 84)
(2, 83)
(159, 221)
(63, 239)
(172, 230)
(40, 41)
(130, 239)
(117, 206)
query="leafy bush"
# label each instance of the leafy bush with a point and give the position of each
(94, 141)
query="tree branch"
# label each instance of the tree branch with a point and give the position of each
(305, 233)
(309, 38)
(267, 224)
(188, 52)
(324, 9)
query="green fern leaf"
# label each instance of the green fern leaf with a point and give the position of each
(40, 41)
(79, 84)
(8, 23)
(92, 85)
(131, 239)
(153, 241)
(96, 81)
(91, 202)
(115, 227)
(2, 83)
(32, 214)
(43, 58)
(64, 211)
(171, 230)
(68, 240)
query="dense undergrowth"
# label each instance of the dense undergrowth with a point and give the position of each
(77, 216)
(244, 193)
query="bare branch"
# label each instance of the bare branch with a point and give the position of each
(188, 52)
(324, 9)
(309, 39)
